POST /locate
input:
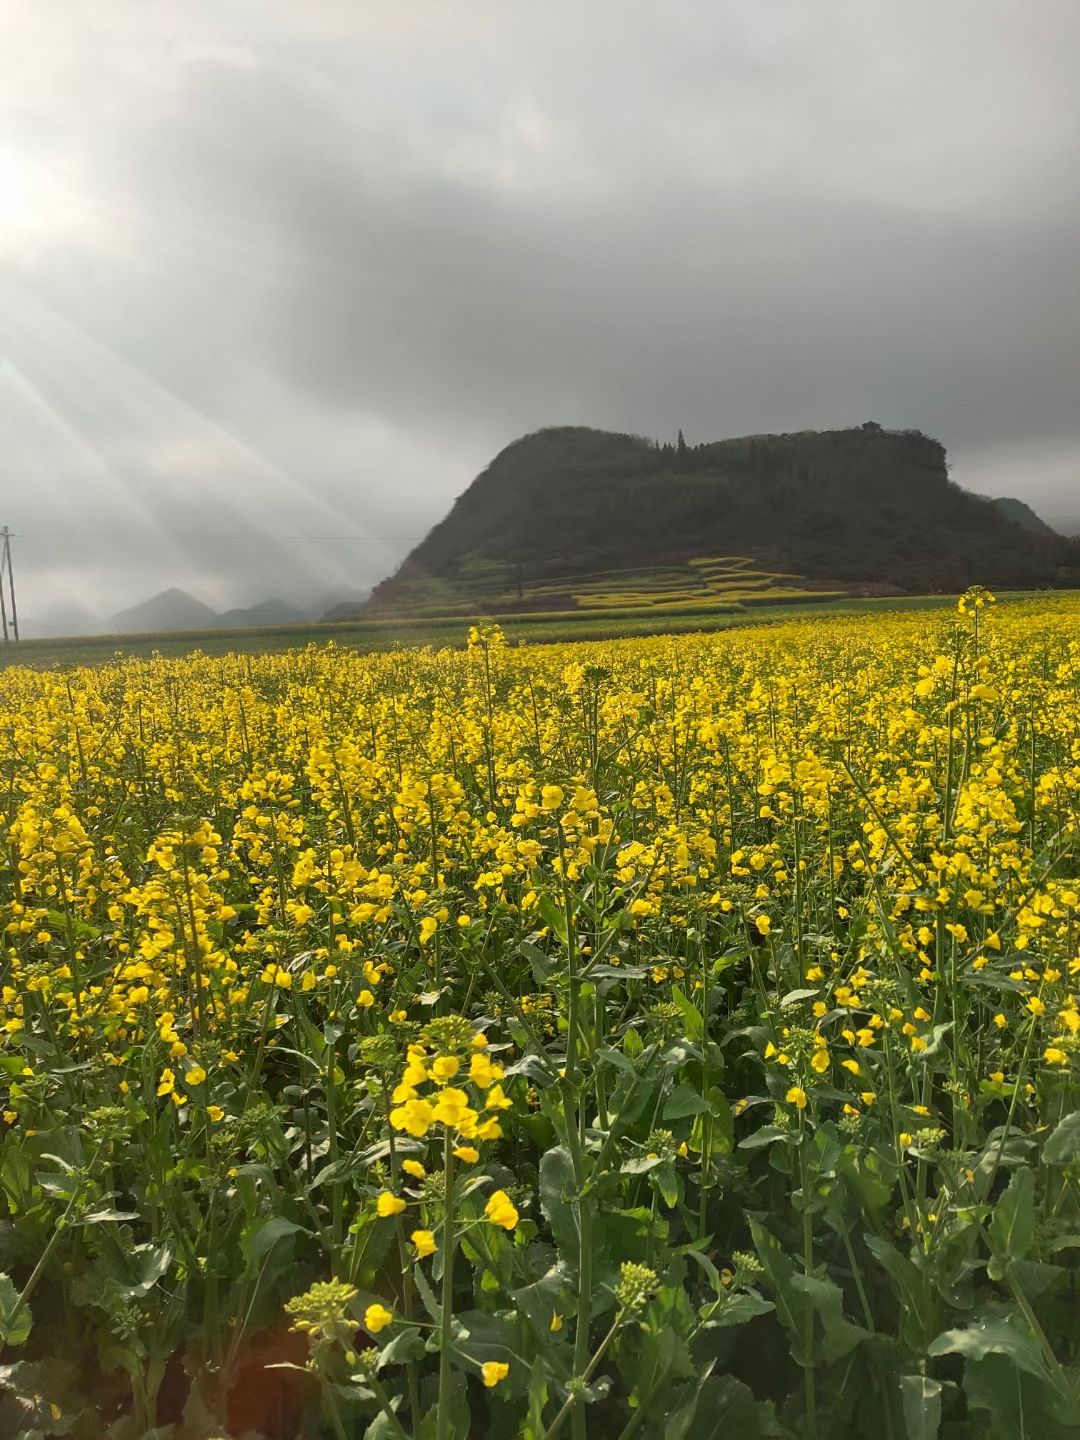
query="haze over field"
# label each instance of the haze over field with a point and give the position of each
(277, 281)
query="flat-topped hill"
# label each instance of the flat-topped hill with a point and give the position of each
(572, 515)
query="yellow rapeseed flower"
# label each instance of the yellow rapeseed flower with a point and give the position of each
(500, 1210)
(377, 1317)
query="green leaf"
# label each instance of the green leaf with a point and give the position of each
(531, 1065)
(313, 1036)
(725, 962)
(380, 1428)
(556, 1187)
(200, 1422)
(779, 1273)
(427, 1295)
(640, 1165)
(667, 1183)
(718, 1126)
(680, 1054)
(478, 1337)
(151, 1263)
(1017, 1406)
(839, 1334)
(534, 1427)
(616, 1059)
(549, 1296)
(1034, 1277)
(1063, 1147)
(618, 972)
(918, 1308)
(712, 1273)
(259, 1239)
(921, 1399)
(679, 1422)
(737, 1309)
(793, 997)
(723, 1408)
(553, 915)
(863, 1172)
(683, 1101)
(695, 1026)
(456, 1419)
(936, 1044)
(767, 1135)
(632, 1094)
(988, 979)
(107, 1215)
(1005, 1336)
(405, 1346)
(1013, 1222)
(14, 1328)
(540, 964)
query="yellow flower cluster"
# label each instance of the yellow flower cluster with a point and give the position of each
(446, 1104)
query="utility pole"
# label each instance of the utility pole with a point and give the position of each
(6, 568)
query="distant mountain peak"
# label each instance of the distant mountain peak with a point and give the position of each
(172, 609)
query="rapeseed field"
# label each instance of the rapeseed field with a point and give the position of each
(671, 1037)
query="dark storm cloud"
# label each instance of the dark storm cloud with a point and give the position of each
(298, 271)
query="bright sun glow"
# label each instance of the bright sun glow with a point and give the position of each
(34, 208)
(16, 190)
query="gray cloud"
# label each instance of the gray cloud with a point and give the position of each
(278, 280)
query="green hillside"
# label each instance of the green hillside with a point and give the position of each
(572, 519)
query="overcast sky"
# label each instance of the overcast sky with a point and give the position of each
(278, 278)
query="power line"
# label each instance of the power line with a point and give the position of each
(6, 566)
(256, 535)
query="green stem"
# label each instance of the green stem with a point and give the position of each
(39, 1269)
(808, 1266)
(1013, 1102)
(388, 1410)
(334, 1410)
(584, 1292)
(572, 1401)
(443, 1420)
(335, 1152)
(573, 1114)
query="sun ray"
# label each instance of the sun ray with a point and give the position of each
(155, 450)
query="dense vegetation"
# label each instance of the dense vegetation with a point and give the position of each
(849, 508)
(671, 1038)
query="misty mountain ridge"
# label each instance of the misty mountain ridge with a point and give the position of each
(60, 620)
(174, 609)
(863, 510)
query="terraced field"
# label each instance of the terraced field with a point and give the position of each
(702, 582)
